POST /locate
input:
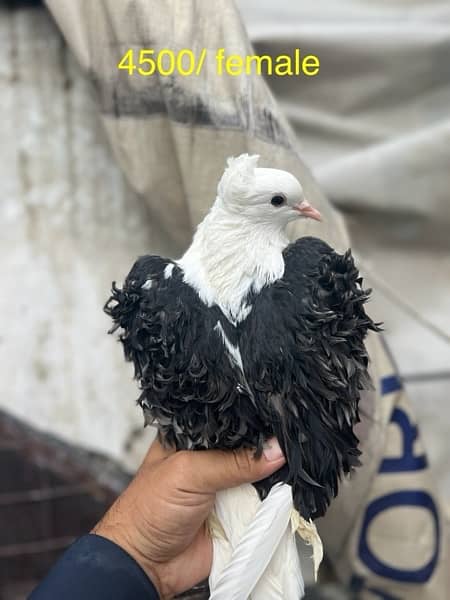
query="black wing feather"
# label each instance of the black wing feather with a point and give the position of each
(304, 354)
(189, 385)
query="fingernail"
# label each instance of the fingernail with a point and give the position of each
(272, 450)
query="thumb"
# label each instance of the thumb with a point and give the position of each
(214, 470)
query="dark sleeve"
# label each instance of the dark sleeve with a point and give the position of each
(94, 568)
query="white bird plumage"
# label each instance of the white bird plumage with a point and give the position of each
(238, 246)
(254, 532)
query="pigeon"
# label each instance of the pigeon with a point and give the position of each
(248, 336)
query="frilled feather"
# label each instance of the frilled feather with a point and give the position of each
(314, 381)
(303, 356)
(188, 384)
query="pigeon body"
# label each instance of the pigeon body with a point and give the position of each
(248, 336)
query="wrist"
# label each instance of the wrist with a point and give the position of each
(122, 537)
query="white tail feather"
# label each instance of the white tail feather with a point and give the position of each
(259, 554)
(283, 577)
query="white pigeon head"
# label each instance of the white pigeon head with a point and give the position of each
(267, 196)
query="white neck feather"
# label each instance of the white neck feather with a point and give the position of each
(229, 256)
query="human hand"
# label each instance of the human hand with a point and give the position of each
(160, 519)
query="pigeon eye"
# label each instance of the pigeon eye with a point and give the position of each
(278, 200)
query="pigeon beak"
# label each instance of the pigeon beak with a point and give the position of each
(306, 210)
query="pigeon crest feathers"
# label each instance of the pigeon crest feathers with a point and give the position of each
(238, 177)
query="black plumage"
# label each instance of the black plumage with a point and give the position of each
(303, 356)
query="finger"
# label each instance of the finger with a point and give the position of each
(214, 470)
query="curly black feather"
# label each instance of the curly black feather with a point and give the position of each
(189, 386)
(313, 383)
(303, 355)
